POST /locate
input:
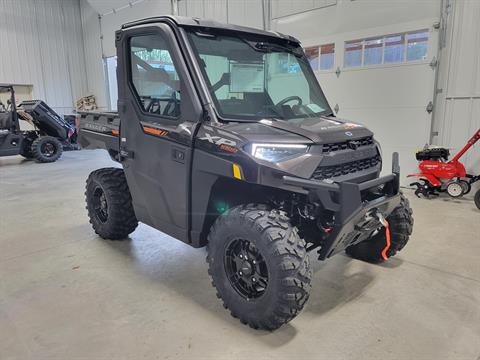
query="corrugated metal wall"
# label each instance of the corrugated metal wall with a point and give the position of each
(41, 45)
(239, 12)
(96, 84)
(457, 114)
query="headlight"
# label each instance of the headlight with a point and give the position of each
(378, 147)
(277, 152)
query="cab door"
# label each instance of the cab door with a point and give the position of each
(159, 110)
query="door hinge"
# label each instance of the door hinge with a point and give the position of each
(126, 154)
(429, 107)
(433, 64)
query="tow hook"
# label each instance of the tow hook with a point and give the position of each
(386, 225)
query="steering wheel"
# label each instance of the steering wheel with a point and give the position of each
(288, 99)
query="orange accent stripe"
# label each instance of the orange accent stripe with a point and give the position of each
(387, 236)
(154, 131)
(115, 132)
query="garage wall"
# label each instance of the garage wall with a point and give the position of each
(41, 45)
(391, 99)
(457, 114)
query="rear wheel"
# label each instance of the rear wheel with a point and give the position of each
(465, 186)
(401, 226)
(477, 199)
(46, 149)
(109, 204)
(259, 266)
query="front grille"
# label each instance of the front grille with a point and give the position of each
(328, 172)
(352, 144)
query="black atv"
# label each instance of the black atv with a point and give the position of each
(227, 141)
(45, 143)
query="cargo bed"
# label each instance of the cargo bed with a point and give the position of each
(100, 130)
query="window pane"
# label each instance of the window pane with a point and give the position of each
(112, 82)
(353, 53)
(249, 84)
(373, 51)
(417, 43)
(394, 48)
(312, 55)
(327, 57)
(154, 76)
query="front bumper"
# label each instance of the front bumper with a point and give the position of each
(354, 219)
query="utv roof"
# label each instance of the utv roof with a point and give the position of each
(202, 23)
(5, 87)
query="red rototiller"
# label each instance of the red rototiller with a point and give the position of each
(438, 174)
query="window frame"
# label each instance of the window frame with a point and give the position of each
(404, 60)
(318, 49)
(154, 32)
(320, 57)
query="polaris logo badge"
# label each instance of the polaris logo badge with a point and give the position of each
(349, 133)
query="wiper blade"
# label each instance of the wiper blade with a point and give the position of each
(270, 47)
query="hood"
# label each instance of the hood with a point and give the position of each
(318, 130)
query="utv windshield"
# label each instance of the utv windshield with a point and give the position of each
(253, 78)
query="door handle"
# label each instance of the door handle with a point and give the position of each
(178, 155)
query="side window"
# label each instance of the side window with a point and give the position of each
(154, 76)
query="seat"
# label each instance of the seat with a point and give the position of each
(5, 120)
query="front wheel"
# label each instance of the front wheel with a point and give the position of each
(259, 266)
(401, 226)
(46, 149)
(455, 189)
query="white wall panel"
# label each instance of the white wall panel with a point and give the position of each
(457, 113)
(246, 13)
(351, 16)
(112, 22)
(93, 54)
(282, 8)
(42, 46)
(465, 48)
(195, 8)
(239, 12)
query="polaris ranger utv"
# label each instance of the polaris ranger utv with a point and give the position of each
(44, 143)
(227, 141)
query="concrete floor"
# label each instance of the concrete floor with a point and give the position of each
(67, 294)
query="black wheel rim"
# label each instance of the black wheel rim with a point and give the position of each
(48, 149)
(100, 205)
(246, 269)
